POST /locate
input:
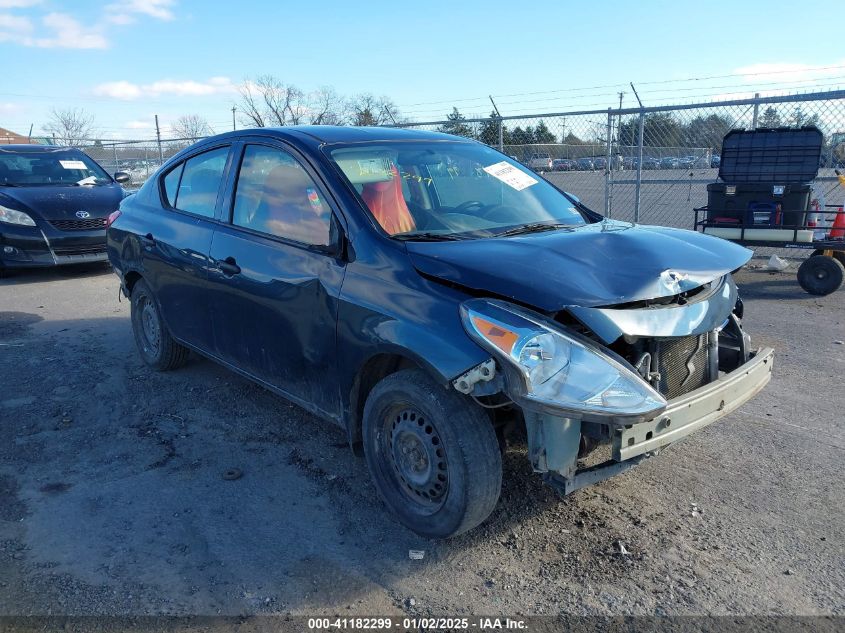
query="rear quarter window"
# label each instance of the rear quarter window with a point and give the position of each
(171, 184)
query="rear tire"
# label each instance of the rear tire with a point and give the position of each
(821, 275)
(433, 455)
(156, 346)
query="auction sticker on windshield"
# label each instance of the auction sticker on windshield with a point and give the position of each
(510, 175)
(72, 164)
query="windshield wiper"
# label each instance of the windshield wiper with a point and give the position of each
(425, 236)
(534, 227)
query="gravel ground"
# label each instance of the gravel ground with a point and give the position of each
(113, 499)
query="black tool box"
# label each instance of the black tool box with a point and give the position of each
(765, 177)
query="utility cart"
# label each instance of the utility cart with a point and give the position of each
(765, 197)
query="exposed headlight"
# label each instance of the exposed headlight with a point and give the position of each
(557, 369)
(10, 216)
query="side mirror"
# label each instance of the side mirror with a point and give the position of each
(122, 177)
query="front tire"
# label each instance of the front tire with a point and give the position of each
(156, 346)
(433, 456)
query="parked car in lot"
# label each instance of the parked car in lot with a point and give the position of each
(429, 311)
(563, 164)
(585, 164)
(715, 161)
(650, 162)
(540, 162)
(600, 163)
(669, 162)
(54, 202)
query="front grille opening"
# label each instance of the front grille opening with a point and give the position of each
(79, 250)
(88, 224)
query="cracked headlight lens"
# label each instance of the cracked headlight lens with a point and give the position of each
(558, 369)
(10, 216)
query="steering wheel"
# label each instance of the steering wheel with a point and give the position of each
(469, 204)
(502, 213)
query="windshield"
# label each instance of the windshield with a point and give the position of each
(449, 190)
(49, 167)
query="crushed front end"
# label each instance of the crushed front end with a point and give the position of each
(628, 378)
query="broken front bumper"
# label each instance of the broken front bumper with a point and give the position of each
(696, 409)
(553, 441)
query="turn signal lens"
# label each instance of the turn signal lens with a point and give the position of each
(114, 215)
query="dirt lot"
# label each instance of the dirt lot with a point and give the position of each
(113, 500)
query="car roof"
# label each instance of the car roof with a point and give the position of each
(330, 134)
(33, 148)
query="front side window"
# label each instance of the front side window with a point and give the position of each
(63, 167)
(200, 182)
(275, 195)
(451, 190)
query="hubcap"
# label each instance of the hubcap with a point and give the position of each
(418, 457)
(149, 326)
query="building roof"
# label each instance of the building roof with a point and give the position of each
(8, 137)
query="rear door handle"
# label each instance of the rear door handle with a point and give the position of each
(229, 266)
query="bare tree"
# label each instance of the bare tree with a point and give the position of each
(326, 107)
(365, 109)
(266, 101)
(191, 126)
(72, 126)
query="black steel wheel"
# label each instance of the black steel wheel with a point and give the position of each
(156, 346)
(821, 275)
(432, 453)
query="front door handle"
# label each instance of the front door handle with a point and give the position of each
(229, 266)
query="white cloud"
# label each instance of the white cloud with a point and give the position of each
(139, 125)
(18, 4)
(69, 33)
(14, 28)
(59, 30)
(10, 108)
(128, 91)
(125, 12)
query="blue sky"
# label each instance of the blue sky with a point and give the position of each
(125, 60)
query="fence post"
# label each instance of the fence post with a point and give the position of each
(114, 148)
(158, 138)
(639, 166)
(756, 112)
(501, 135)
(608, 184)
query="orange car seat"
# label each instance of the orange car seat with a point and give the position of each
(387, 205)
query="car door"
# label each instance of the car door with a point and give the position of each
(177, 241)
(275, 278)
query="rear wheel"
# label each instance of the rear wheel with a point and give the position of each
(157, 347)
(821, 275)
(433, 455)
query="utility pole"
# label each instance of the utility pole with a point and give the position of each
(234, 127)
(158, 139)
(390, 114)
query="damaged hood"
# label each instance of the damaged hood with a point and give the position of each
(596, 265)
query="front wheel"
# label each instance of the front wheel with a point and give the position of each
(433, 456)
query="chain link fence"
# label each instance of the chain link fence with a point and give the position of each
(650, 165)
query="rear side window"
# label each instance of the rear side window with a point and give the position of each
(275, 195)
(200, 182)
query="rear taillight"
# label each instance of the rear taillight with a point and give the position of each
(114, 215)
